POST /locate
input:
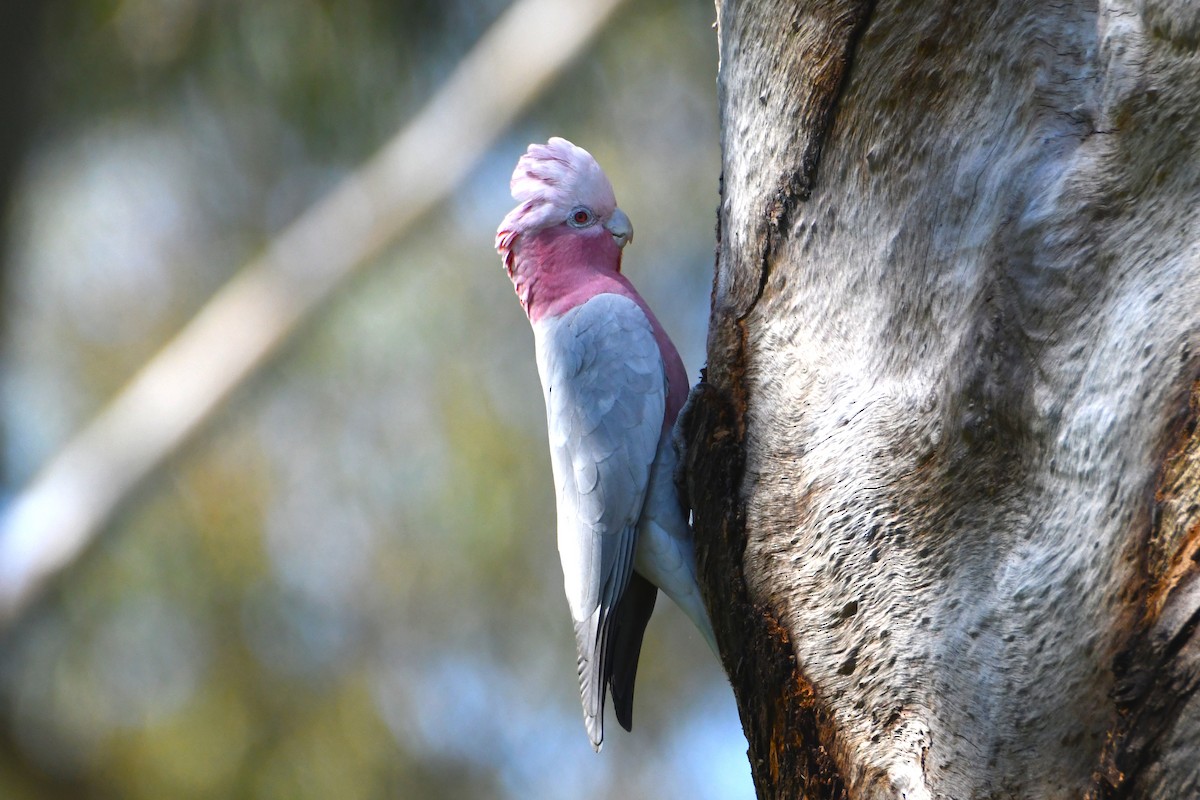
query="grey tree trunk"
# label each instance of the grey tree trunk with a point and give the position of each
(944, 462)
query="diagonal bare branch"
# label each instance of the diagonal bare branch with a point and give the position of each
(49, 524)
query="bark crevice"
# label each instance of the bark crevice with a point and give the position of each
(786, 722)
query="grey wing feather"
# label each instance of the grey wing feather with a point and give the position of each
(605, 389)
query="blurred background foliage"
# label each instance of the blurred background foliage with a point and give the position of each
(348, 586)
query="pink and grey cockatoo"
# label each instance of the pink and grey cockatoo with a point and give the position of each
(613, 385)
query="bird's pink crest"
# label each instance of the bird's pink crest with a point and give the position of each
(550, 181)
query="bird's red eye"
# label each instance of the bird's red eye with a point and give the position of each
(581, 217)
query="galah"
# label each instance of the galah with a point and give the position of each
(613, 385)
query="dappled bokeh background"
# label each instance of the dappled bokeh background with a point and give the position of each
(347, 585)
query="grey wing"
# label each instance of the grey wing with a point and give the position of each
(605, 389)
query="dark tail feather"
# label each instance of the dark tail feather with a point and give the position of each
(629, 625)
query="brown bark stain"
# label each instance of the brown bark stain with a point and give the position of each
(1155, 673)
(802, 721)
(1172, 556)
(788, 730)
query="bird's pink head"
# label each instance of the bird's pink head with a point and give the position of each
(559, 184)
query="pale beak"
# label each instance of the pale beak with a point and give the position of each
(620, 227)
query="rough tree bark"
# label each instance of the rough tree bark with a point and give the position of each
(944, 461)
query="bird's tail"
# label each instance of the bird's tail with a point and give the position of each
(629, 625)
